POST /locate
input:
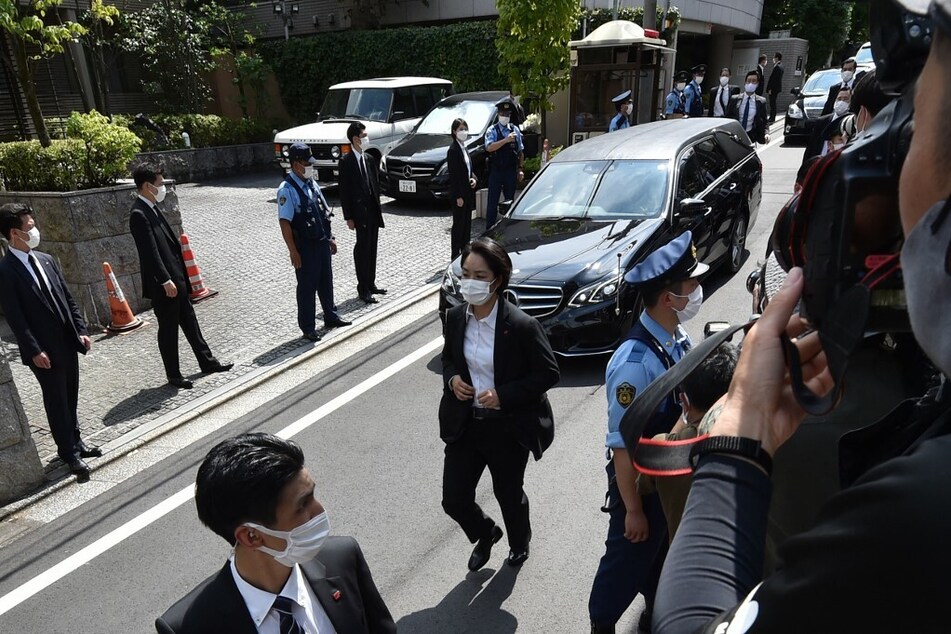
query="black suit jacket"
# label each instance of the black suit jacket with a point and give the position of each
(360, 204)
(731, 90)
(817, 138)
(35, 323)
(525, 368)
(775, 85)
(761, 86)
(217, 607)
(758, 132)
(160, 252)
(459, 176)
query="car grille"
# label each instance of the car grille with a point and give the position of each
(813, 113)
(537, 301)
(398, 169)
(322, 152)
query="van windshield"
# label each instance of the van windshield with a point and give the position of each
(368, 104)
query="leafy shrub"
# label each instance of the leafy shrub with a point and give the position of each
(109, 147)
(28, 166)
(204, 130)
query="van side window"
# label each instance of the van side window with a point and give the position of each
(403, 103)
(424, 99)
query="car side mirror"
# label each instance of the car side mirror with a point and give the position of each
(397, 116)
(795, 91)
(690, 207)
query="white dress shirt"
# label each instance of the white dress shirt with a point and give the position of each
(465, 155)
(719, 110)
(307, 609)
(479, 350)
(25, 257)
(739, 113)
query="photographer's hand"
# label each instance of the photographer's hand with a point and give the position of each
(760, 403)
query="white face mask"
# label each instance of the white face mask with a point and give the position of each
(680, 86)
(628, 108)
(160, 193)
(698, 79)
(303, 543)
(32, 238)
(504, 120)
(462, 135)
(840, 108)
(308, 172)
(928, 284)
(724, 81)
(475, 292)
(847, 75)
(751, 88)
(694, 301)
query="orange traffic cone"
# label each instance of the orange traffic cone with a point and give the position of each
(199, 290)
(122, 318)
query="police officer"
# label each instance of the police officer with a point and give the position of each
(624, 106)
(693, 93)
(305, 225)
(637, 532)
(503, 142)
(674, 104)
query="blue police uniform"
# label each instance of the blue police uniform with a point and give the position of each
(648, 350)
(302, 204)
(674, 103)
(503, 163)
(620, 120)
(693, 99)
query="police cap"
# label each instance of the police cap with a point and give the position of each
(506, 105)
(682, 76)
(624, 96)
(300, 152)
(699, 69)
(673, 262)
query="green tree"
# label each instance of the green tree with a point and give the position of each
(33, 36)
(101, 39)
(174, 48)
(533, 47)
(232, 40)
(826, 24)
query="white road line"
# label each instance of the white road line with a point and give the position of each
(136, 524)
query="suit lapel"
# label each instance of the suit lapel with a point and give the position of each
(233, 615)
(501, 340)
(330, 593)
(28, 279)
(156, 219)
(459, 345)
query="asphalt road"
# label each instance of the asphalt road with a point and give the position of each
(377, 458)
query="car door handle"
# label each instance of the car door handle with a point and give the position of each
(732, 186)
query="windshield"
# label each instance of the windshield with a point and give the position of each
(596, 189)
(357, 103)
(864, 56)
(822, 81)
(478, 115)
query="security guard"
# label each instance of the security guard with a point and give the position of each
(503, 142)
(305, 225)
(624, 106)
(693, 93)
(675, 101)
(637, 532)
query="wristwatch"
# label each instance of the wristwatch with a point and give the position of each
(732, 445)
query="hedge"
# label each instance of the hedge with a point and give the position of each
(204, 130)
(306, 67)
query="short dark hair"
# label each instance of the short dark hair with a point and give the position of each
(145, 173)
(495, 257)
(354, 129)
(778, 55)
(725, 70)
(457, 123)
(868, 92)
(711, 380)
(241, 480)
(753, 73)
(762, 57)
(11, 217)
(651, 293)
(849, 60)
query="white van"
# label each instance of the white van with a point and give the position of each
(389, 107)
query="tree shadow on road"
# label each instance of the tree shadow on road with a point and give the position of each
(472, 606)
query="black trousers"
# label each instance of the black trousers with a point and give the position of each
(461, 226)
(487, 443)
(314, 276)
(173, 313)
(772, 106)
(364, 258)
(60, 387)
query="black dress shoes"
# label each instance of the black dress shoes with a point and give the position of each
(311, 336)
(483, 549)
(378, 291)
(218, 367)
(181, 383)
(369, 299)
(337, 323)
(85, 451)
(78, 467)
(517, 558)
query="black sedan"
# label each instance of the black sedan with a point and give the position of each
(601, 206)
(416, 167)
(802, 114)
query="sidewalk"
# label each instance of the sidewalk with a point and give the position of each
(233, 228)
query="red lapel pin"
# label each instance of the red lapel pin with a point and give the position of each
(336, 595)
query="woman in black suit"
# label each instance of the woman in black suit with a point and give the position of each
(462, 183)
(497, 365)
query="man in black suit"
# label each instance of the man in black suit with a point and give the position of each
(286, 573)
(721, 93)
(750, 109)
(48, 328)
(760, 74)
(164, 280)
(848, 81)
(359, 184)
(775, 85)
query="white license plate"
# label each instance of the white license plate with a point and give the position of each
(408, 187)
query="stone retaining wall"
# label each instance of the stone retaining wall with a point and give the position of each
(186, 166)
(21, 471)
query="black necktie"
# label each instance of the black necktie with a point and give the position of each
(46, 289)
(723, 100)
(363, 172)
(285, 609)
(746, 113)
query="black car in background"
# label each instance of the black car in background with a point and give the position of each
(601, 206)
(802, 114)
(416, 167)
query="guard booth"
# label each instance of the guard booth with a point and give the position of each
(615, 57)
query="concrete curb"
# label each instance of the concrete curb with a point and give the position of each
(160, 426)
